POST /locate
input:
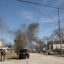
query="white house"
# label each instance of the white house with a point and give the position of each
(55, 45)
(1, 44)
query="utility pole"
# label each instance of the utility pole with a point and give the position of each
(60, 30)
(34, 3)
(38, 50)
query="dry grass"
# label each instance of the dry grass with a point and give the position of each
(10, 55)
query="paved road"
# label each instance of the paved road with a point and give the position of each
(36, 59)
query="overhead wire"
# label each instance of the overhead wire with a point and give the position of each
(50, 18)
(39, 4)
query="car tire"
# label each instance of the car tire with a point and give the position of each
(27, 56)
(48, 53)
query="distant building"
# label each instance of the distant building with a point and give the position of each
(8, 49)
(55, 45)
(1, 44)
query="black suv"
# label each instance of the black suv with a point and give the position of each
(23, 53)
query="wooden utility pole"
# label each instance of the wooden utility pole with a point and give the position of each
(38, 46)
(39, 4)
(60, 33)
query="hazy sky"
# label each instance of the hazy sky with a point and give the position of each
(15, 13)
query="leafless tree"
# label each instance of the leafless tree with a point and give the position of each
(20, 40)
(32, 30)
(56, 36)
(25, 37)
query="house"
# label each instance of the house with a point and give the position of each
(1, 44)
(6, 48)
(55, 45)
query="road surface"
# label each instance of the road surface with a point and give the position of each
(36, 59)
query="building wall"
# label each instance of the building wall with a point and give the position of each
(57, 46)
(1, 43)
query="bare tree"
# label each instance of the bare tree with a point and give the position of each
(56, 36)
(25, 37)
(20, 40)
(32, 30)
(32, 33)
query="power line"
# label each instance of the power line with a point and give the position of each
(50, 18)
(38, 11)
(34, 3)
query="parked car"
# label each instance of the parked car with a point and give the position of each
(34, 50)
(59, 51)
(23, 53)
(49, 52)
(45, 51)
